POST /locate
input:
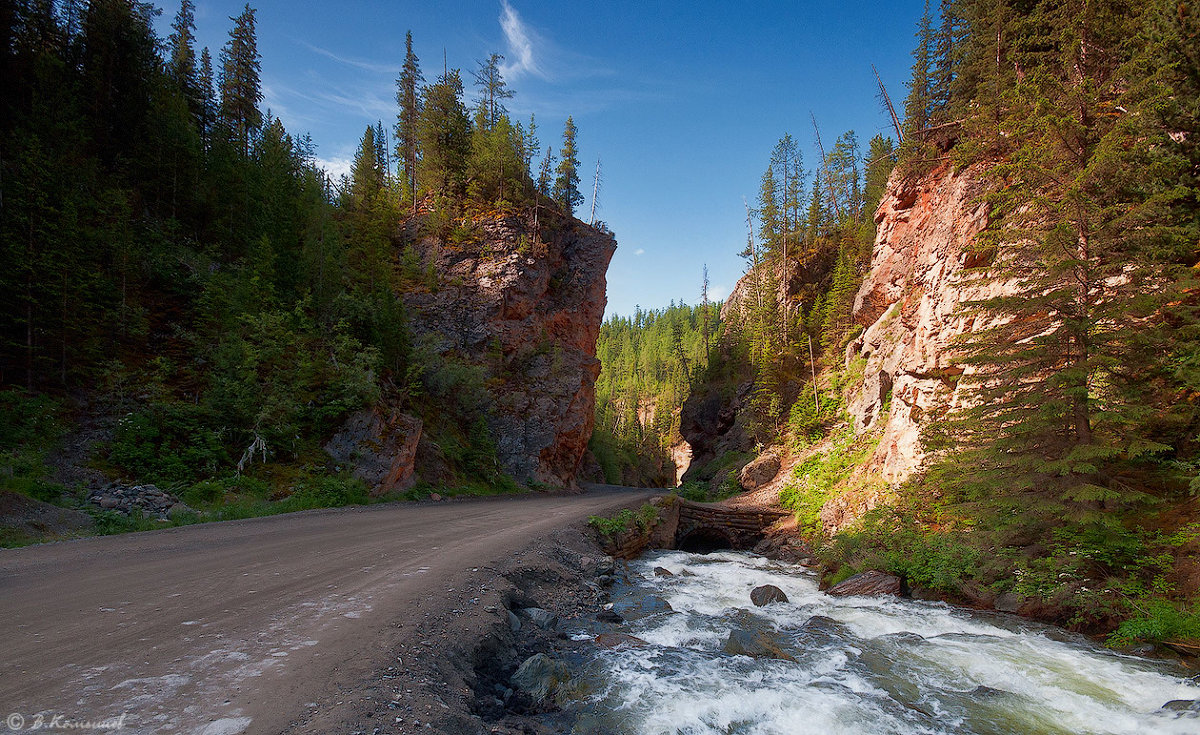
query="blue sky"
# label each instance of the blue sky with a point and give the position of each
(681, 101)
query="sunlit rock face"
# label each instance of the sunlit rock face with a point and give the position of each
(525, 301)
(908, 308)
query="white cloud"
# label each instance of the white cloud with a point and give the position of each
(717, 292)
(520, 38)
(335, 168)
(640, 251)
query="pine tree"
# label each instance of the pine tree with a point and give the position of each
(240, 87)
(383, 157)
(1094, 225)
(408, 120)
(444, 132)
(566, 183)
(545, 179)
(366, 176)
(207, 97)
(181, 64)
(946, 59)
(492, 90)
(916, 105)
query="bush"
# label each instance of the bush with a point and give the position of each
(168, 442)
(329, 492)
(644, 518)
(29, 425)
(894, 542)
(1158, 620)
(28, 420)
(616, 525)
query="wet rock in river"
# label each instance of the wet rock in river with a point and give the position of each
(641, 606)
(766, 594)
(543, 619)
(871, 583)
(755, 644)
(540, 677)
(613, 640)
(662, 572)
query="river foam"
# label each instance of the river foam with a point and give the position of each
(861, 665)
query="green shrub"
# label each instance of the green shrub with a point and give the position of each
(646, 517)
(894, 542)
(30, 425)
(694, 491)
(1158, 620)
(28, 419)
(168, 442)
(614, 526)
(329, 492)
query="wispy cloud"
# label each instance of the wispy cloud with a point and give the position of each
(717, 292)
(326, 100)
(364, 64)
(521, 39)
(640, 251)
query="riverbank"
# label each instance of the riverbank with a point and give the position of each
(453, 656)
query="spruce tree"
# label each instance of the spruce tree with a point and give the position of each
(181, 64)
(566, 182)
(916, 105)
(408, 120)
(240, 87)
(207, 96)
(444, 132)
(545, 178)
(1093, 230)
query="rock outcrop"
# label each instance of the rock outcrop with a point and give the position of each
(759, 472)
(379, 447)
(525, 303)
(908, 308)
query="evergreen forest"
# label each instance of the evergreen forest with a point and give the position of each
(1065, 474)
(179, 279)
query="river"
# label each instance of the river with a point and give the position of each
(858, 665)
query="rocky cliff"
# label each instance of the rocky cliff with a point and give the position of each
(908, 309)
(524, 302)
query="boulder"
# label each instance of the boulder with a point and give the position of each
(871, 583)
(543, 619)
(1009, 602)
(540, 677)
(766, 594)
(614, 640)
(662, 572)
(608, 616)
(755, 644)
(759, 472)
(641, 606)
(379, 447)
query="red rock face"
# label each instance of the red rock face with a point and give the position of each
(527, 306)
(908, 305)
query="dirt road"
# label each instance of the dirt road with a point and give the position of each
(237, 627)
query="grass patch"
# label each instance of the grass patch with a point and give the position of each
(817, 479)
